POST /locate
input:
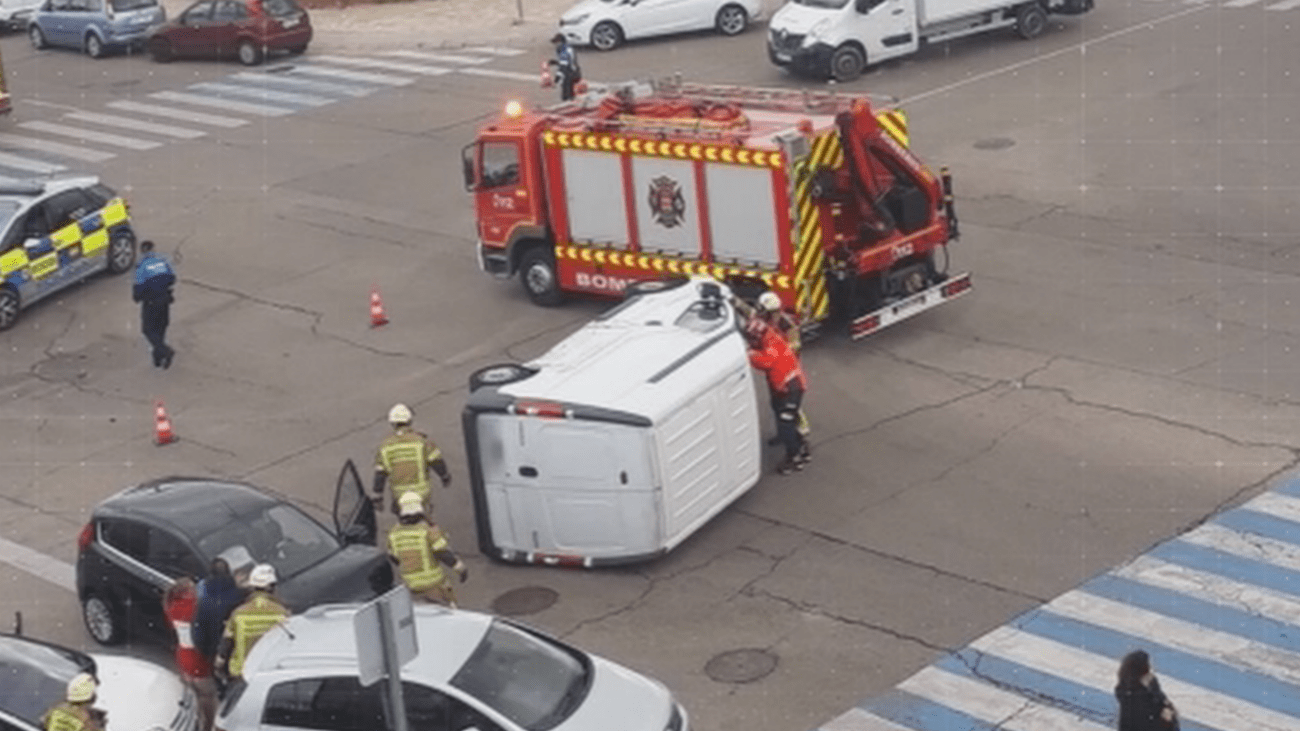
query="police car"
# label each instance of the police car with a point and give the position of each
(55, 233)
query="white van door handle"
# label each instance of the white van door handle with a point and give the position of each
(528, 471)
(897, 12)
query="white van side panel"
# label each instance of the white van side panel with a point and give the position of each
(709, 451)
(568, 487)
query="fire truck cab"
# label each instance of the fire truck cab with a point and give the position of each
(814, 196)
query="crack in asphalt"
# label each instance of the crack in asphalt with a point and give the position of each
(852, 621)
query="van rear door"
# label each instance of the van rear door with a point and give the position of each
(571, 487)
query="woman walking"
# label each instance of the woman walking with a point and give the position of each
(1143, 706)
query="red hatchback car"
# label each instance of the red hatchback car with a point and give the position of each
(243, 29)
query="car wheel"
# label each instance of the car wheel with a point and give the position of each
(94, 47)
(38, 38)
(103, 621)
(847, 63)
(249, 53)
(9, 306)
(298, 50)
(498, 375)
(1031, 21)
(121, 252)
(732, 20)
(606, 36)
(161, 50)
(537, 274)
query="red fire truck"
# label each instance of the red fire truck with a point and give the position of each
(815, 196)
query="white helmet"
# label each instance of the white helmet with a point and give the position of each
(81, 688)
(768, 301)
(399, 414)
(262, 576)
(410, 503)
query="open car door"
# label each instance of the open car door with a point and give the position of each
(354, 516)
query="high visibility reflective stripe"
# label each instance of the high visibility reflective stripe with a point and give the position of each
(419, 569)
(407, 453)
(63, 719)
(249, 628)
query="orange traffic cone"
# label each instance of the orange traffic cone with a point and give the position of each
(377, 316)
(162, 429)
(547, 79)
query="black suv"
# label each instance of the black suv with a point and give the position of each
(141, 539)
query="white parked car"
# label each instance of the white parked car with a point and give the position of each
(15, 14)
(135, 695)
(473, 671)
(605, 24)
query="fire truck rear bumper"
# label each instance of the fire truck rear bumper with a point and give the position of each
(493, 261)
(948, 290)
(814, 59)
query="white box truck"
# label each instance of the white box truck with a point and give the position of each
(623, 439)
(839, 38)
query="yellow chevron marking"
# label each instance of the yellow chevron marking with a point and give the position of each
(620, 144)
(760, 158)
(711, 153)
(644, 262)
(673, 267)
(562, 139)
(742, 157)
(600, 257)
(606, 143)
(697, 151)
(549, 138)
(727, 154)
(680, 149)
(635, 145)
(658, 265)
(665, 148)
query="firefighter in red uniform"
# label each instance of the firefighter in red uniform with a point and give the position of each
(770, 353)
(179, 604)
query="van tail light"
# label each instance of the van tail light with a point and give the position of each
(86, 535)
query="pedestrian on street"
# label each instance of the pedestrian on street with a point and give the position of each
(404, 459)
(566, 62)
(180, 604)
(154, 280)
(249, 621)
(1143, 706)
(421, 550)
(786, 382)
(77, 711)
(217, 596)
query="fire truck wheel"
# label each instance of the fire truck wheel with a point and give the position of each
(732, 20)
(847, 63)
(606, 36)
(537, 273)
(1031, 21)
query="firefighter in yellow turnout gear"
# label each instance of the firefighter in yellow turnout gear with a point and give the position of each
(76, 713)
(249, 621)
(404, 460)
(421, 550)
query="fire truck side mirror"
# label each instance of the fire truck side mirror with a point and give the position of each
(467, 165)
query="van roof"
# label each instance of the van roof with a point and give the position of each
(644, 357)
(323, 638)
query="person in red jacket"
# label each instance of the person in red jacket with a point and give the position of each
(770, 353)
(179, 605)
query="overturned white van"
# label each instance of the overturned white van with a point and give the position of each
(620, 441)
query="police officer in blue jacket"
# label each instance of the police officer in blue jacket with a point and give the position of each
(566, 64)
(154, 279)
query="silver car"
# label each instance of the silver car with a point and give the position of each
(94, 26)
(473, 671)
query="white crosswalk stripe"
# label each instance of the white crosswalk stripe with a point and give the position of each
(258, 92)
(290, 80)
(55, 148)
(1217, 608)
(231, 105)
(112, 120)
(86, 135)
(185, 115)
(40, 167)
(1240, 3)
(1284, 5)
(376, 63)
(386, 79)
(512, 75)
(439, 57)
(494, 50)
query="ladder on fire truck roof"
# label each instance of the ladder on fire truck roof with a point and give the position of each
(799, 100)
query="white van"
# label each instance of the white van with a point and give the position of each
(620, 441)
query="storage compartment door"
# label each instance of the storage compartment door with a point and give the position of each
(667, 218)
(742, 215)
(597, 208)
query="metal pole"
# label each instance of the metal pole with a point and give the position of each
(520, 5)
(392, 670)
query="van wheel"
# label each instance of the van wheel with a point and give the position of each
(498, 375)
(732, 20)
(537, 274)
(38, 38)
(249, 53)
(94, 46)
(847, 63)
(1031, 21)
(103, 621)
(9, 306)
(121, 252)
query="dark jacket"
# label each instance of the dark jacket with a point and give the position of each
(154, 279)
(217, 598)
(1140, 706)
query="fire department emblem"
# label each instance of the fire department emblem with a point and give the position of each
(667, 205)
